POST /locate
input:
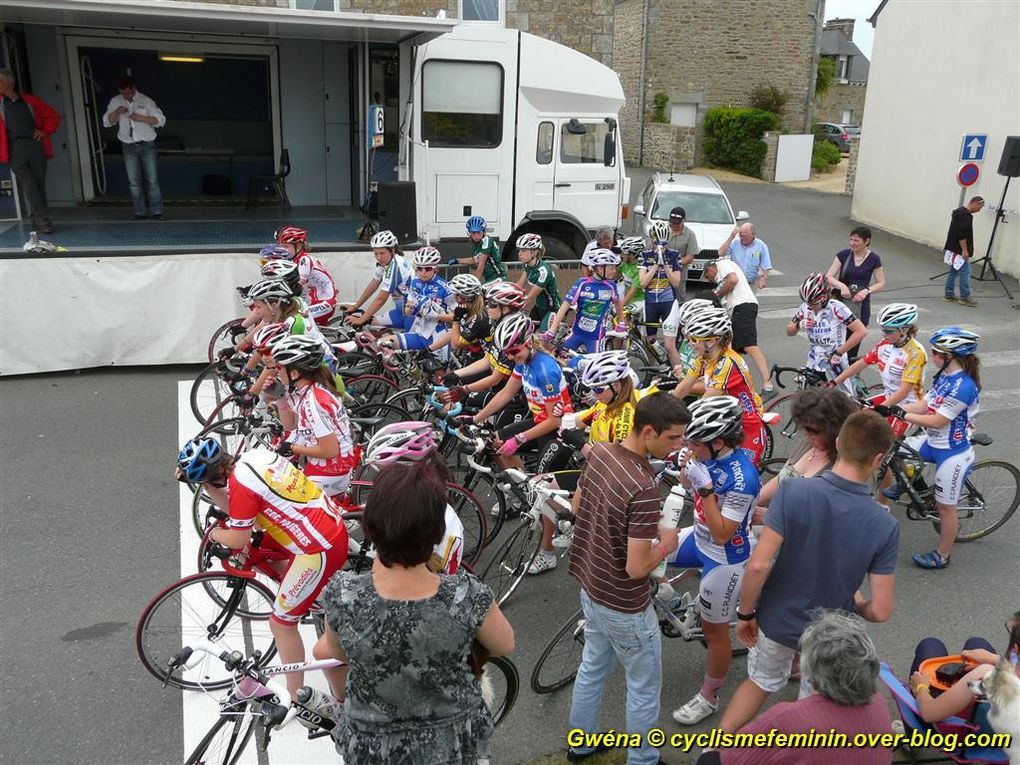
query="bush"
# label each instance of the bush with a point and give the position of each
(824, 156)
(733, 138)
(659, 111)
(769, 98)
(825, 75)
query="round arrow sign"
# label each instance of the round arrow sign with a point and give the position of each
(968, 174)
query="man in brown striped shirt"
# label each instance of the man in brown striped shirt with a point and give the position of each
(617, 504)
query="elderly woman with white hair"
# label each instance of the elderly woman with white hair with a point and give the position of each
(838, 658)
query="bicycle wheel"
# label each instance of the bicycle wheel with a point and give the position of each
(224, 337)
(184, 613)
(769, 468)
(500, 685)
(991, 494)
(413, 401)
(784, 430)
(474, 519)
(207, 393)
(357, 363)
(490, 497)
(511, 561)
(558, 663)
(367, 418)
(367, 388)
(227, 738)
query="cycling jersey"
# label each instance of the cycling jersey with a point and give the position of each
(954, 396)
(591, 300)
(394, 278)
(612, 428)
(630, 278)
(494, 268)
(736, 484)
(319, 414)
(826, 330)
(318, 287)
(659, 290)
(729, 373)
(543, 275)
(473, 329)
(900, 365)
(268, 492)
(447, 554)
(543, 383)
(433, 293)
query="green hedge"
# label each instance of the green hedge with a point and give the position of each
(733, 138)
(824, 156)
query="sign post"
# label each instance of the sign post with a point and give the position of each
(972, 148)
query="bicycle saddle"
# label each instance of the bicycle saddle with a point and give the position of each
(981, 439)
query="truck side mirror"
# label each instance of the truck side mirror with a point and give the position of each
(609, 149)
(639, 210)
(743, 215)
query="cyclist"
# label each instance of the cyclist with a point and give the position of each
(262, 490)
(721, 371)
(947, 415)
(659, 275)
(469, 322)
(428, 298)
(681, 355)
(826, 322)
(538, 280)
(320, 430)
(632, 294)
(318, 287)
(286, 271)
(485, 255)
(591, 298)
(390, 278)
(726, 486)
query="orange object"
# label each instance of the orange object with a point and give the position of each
(929, 667)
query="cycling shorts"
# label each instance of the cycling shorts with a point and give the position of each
(394, 318)
(304, 579)
(583, 342)
(323, 312)
(657, 313)
(951, 468)
(719, 590)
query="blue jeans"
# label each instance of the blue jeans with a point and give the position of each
(139, 161)
(634, 641)
(964, 274)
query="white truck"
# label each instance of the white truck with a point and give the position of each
(515, 128)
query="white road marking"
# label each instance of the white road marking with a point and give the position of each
(289, 746)
(999, 358)
(997, 401)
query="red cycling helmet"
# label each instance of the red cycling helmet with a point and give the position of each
(291, 235)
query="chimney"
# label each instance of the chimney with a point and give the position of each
(846, 26)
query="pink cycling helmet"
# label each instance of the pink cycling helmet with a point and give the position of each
(410, 441)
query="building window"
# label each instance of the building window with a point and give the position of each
(313, 5)
(462, 104)
(481, 10)
(844, 68)
(584, 143)
(544, 152)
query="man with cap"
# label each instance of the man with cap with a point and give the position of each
(682, 240)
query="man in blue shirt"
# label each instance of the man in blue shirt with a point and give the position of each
(750, 253)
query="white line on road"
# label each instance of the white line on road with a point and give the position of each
(999, 358)
(997, 401)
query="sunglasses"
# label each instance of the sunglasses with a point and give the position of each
(811, 430)
(600, 389)
(514, 350)
(491, 304)
(889, 330)
(426, 269)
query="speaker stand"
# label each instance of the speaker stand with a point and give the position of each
(986, 261)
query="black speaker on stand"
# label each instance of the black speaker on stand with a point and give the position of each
(1009, 166)
(398, 210)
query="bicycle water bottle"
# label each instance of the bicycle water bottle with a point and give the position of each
(316, 701)
(669, 518)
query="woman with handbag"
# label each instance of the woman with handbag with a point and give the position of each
(851, 274)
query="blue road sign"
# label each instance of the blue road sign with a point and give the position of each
(973, 148)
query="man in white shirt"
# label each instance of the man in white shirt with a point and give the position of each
(739, 301)
(136, 117)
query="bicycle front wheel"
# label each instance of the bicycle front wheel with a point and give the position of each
(227, 738)
(473, 518)
(557, 666)
(185, 613)
(783, 432)
(991, 494)
(510, 565)
(208, 394)
(500, 685)
(224, 337)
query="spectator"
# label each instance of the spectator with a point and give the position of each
(825, 534)
(739, 301)
(750, 253)
(26, 124)
(409, 633)
(605, 239)
(137, 116)
(960, 241)
(839, 658)
(851, 273)
(617, 504)
(683, 240)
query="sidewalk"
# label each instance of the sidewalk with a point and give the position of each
(829, 183)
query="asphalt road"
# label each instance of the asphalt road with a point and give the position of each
(91, 528)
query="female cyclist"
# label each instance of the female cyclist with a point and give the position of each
(826, 322)
(469, 321)
(632, 294)
(318, 287)
(726, 486)
(311, 410)
(721, 371)
(391, 277)
(591, 298)
(428, 298)
(538, 280)
(659, 275)
(681, 354)
(485, 257)
(947, 415)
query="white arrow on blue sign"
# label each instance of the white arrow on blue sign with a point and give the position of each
(973, 148)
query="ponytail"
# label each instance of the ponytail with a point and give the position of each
(972, 366)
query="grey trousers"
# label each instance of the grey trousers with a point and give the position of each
(28, 161)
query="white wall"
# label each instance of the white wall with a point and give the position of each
(939, 70)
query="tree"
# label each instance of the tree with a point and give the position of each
(826, 75)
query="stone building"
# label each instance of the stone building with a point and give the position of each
(844, 101)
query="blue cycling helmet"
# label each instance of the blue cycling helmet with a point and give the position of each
(198, 457)
(955, 340)
(275, 252)
(476, 223)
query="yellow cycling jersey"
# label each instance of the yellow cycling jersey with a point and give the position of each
(607, 428)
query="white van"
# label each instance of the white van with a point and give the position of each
(517, 129)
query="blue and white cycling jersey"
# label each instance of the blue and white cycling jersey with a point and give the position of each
(736, 483)
(659, 290)
(591, 300)
(543, 382)
(394, 278)
(954, 396)
(428, 299)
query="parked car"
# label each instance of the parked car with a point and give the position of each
(709, 213)
(837, 134)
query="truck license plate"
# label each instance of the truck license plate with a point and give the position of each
(605, 186)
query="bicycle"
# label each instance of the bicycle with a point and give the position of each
(680, 618)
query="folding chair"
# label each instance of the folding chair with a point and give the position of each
(276, 182)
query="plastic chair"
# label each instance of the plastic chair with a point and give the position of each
(277, 182)
(906, 704)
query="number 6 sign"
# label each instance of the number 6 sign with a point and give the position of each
(376, 126)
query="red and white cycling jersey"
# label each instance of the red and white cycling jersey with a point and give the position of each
(268, 492)
(319, 413)
(826, 330)
(317, 287)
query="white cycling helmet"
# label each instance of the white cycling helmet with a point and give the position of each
(270, 291)
(659, 231)
(633, 244)
(267, 336)
(384, 239)
(603, 257)
(512, 331)
(426, 256)
(715, 417)
(605, 368)
(410, 441)
(689, 308)
(465, 285)
(898, 316)
(299, 351)
(530, 242)
(814, 288)
(708, 324)
(506, 294)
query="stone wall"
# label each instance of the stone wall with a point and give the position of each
(842, 95)
(670, 147)
(627, 33)
(401, 7)
(851, 166)
(584, 25)
(768, 164)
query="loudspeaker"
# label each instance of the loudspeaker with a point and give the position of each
(397, 210)
(1009, 164)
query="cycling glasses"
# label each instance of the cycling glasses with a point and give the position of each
(514, 350)
(425, 269)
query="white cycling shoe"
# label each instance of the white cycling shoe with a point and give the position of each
(562, 541)
(544, 561)
(695, 710)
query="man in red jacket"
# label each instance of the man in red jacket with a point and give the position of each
(26, 124)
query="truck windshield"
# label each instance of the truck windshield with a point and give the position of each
(700, 208)
(586, 148)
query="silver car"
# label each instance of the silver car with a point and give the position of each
(709, 213)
